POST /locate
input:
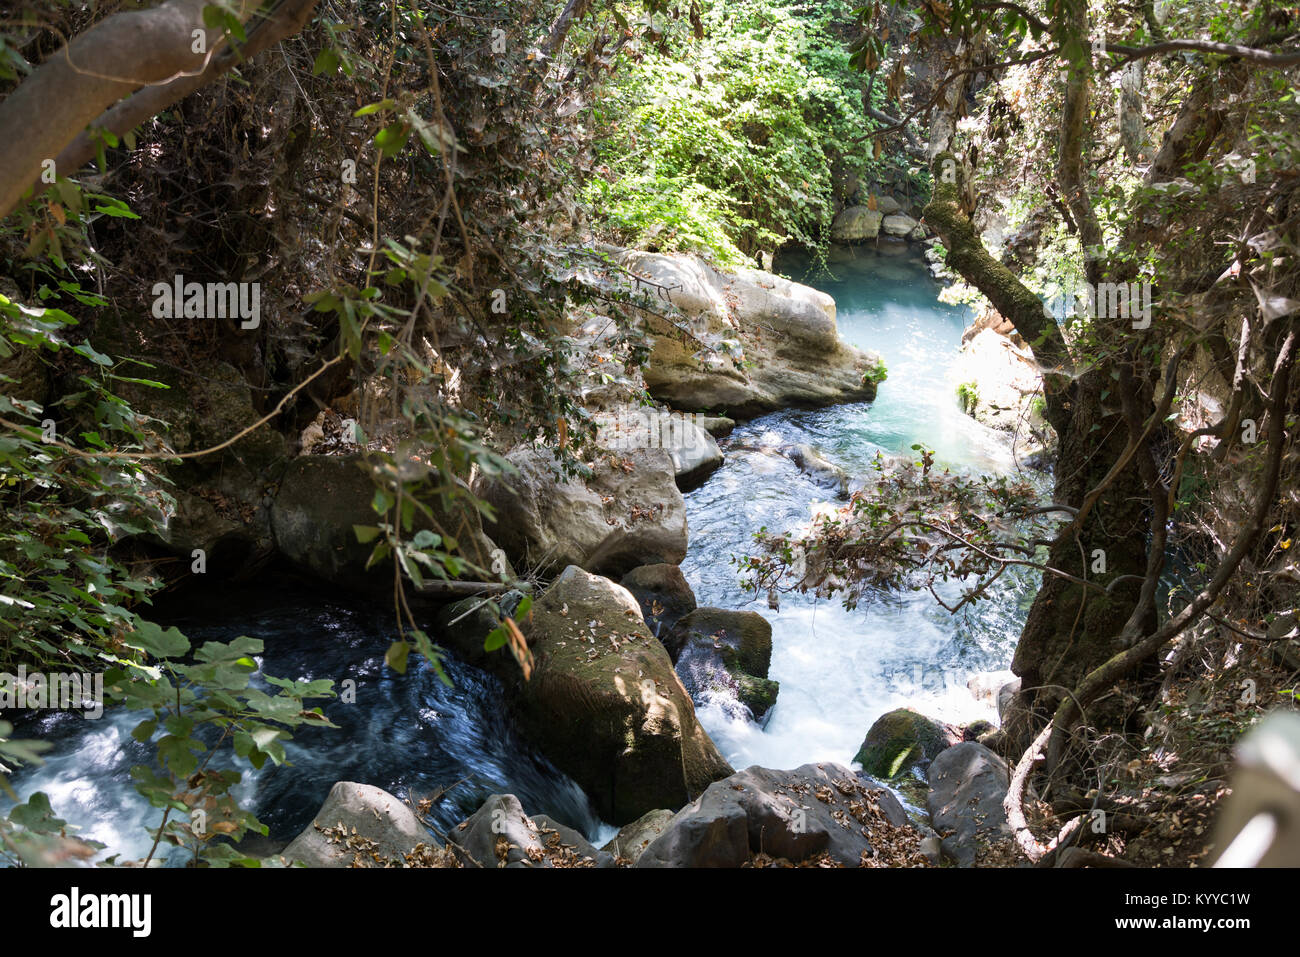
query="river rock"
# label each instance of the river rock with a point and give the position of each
(356, 823)
(716, 425)
(628, 513)
(320, 500)
(968, 784)
(817, 809)
(500, 834)
(605, 705)
(634, 838)
(663, 593)
(898, 224)
(900, 740)
(817, 467)
(693, 449)
(463, 626)
(856, 224)
(718, 650)
(887, 206)
(785, 332)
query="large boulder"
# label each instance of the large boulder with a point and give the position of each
(968, 784)
(628, 513)
(663, 593)
(604, 704)
(818, 812)
(500, 834)
(721, 651)
(857, 224)
(360, 825)
(320, 500)
(899, 224)
(686, 438)
(900, 740)
(784, 332)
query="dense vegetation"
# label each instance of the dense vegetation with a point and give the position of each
(422, 191)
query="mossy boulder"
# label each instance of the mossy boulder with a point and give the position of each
(728, 652)
(604, 704)
(900, 740)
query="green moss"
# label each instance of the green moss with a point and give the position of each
(898, 741)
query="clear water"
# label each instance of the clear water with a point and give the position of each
(412, 735)
(839, 670)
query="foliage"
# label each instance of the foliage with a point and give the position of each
(911, 526)
(196, 695)
(732, 146)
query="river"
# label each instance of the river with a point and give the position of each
(412, 735)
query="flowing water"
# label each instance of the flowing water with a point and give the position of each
(840, 670)
(412, 735)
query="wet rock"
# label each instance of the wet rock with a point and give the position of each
(900, 740)
(605, 705)
(628, 513)
(384, 826)
(821, 470)
(718, 650)
(663, 594)
(817, 809)
(968, 784)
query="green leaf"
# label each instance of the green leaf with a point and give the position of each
(396, 656)
(157, 643)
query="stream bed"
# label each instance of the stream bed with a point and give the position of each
(838, 670)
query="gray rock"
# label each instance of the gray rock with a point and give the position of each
(817, 467)
(786, 332)
(968, 784)
(794, 815)
(663, 594)
(634, 838)
(694, 451)
(500, 834)
(615, 520)
(857, 224)
(888, 206)
(384, 826)
(604, 704)
(898, 224)
(716, 425)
